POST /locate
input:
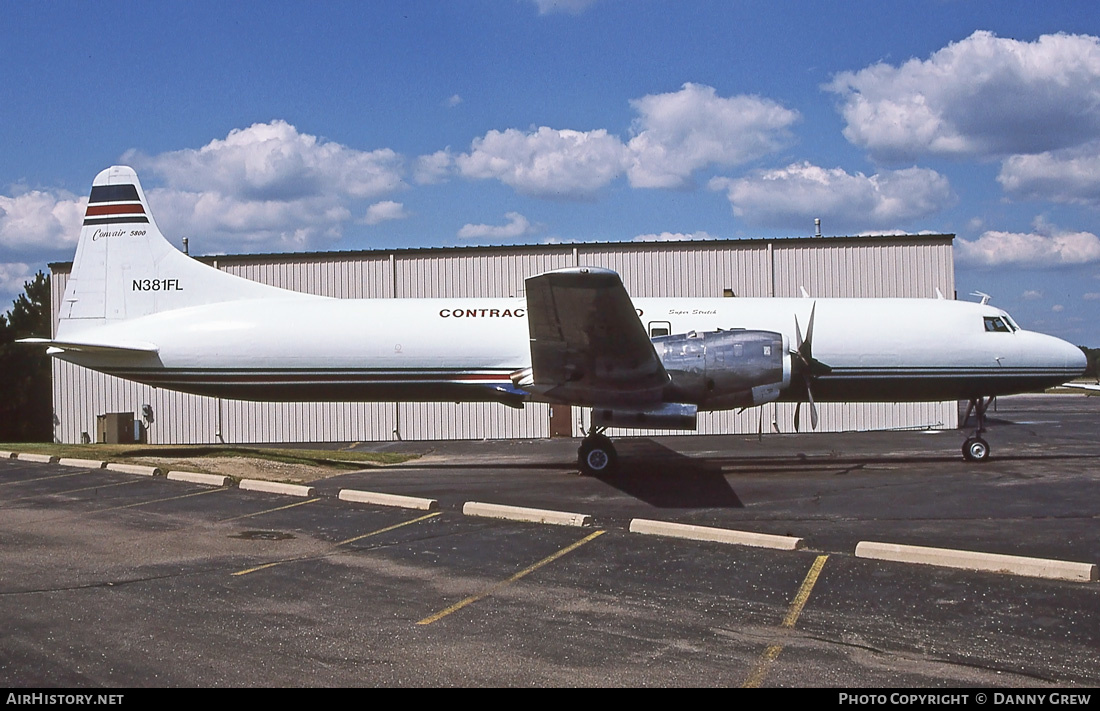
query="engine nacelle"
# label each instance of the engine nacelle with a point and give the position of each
(721, 370)
(668, 416)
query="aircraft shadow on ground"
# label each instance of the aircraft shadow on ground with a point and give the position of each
(662, 477)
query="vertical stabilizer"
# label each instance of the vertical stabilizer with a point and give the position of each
(125, 268)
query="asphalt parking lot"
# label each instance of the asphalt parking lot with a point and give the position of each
(111, 579)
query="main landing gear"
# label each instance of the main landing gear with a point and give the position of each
(596, 454)
(976, 449)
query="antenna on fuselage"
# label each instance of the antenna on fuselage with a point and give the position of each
(985, 297)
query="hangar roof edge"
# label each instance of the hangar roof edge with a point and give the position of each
(752, 241)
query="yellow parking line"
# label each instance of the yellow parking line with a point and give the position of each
(272, 564)
(76, 491)
(772, 653)
(526, 571)
(167, 498)
(387, 529)
(47, 478)
(246, 571)
(804, 592)
(267, 511)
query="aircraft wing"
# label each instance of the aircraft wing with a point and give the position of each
(1083, 386)
(588, 345)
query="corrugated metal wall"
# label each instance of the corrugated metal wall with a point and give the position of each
(865, 266)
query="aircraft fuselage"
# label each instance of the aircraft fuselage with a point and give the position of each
(314, 348)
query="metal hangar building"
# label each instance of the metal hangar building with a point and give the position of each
(876, 266)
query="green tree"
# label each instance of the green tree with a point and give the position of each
(1093, 355)
(26, 407)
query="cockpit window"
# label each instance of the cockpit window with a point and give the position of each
(996, 323)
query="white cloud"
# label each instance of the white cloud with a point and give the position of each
(385, 211)
(453, 101)
(39, 219)
(12, 277)
(673, 236)
(674, 135)
(678, 133)
(268, 186)
(1066, 176)
(995, 248)
(546, 163)
(214, 222)
(1057, 308)
(793, 196)
(434, 168)
(1032, 295)
(1091, 296)
(982, 96)
(518, 226)
(273, 161)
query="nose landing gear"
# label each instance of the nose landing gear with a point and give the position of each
(976, 449)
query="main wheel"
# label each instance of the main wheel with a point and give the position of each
(596, 456)
(976, 449)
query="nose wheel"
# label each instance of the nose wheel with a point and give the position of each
(596, 455)
(976, 449)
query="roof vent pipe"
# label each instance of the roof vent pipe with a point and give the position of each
(817, 227)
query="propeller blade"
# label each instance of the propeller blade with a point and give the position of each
(804, 353)
(808, 343)
(813, 407)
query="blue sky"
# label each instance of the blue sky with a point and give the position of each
(282, 126)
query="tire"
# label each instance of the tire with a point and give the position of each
(976, 449)
(596, 456)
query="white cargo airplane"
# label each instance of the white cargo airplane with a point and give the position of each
(137, 308)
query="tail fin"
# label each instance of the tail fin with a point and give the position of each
(125, 268)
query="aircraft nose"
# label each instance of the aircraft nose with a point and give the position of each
(1064, 354)
(1075, 358)
(1053, 355)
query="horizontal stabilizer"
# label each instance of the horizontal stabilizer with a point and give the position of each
(131, 347)
(1083, 386)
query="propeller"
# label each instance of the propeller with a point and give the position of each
(803, 351)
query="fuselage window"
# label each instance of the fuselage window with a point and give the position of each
(996, 323)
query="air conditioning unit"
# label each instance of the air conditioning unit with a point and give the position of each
(114, 428)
